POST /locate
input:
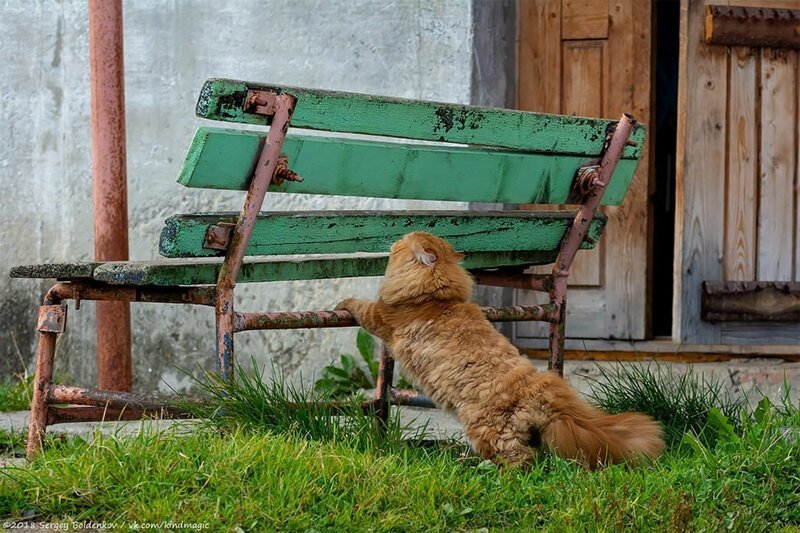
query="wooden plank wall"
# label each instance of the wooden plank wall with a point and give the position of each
(592, 58)
(738, 182)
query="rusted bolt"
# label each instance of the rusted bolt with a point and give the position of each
(588, 179)
(218, 236)
(260, 102)
(283, 172)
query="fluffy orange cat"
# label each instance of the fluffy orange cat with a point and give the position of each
(457, 358)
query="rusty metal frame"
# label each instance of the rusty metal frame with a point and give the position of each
(591, 184)
(92, 404)
(264, 174)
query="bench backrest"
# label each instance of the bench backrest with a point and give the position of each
(482, 154)
(512, 156)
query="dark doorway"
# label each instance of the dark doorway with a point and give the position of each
(666, 27)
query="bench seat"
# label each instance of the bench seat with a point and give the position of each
(204, 271)
(291, 246)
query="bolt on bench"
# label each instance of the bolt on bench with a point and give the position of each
(483, 155)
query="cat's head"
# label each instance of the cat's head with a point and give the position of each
(423, 267)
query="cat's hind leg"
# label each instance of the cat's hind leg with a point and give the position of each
(502, 446)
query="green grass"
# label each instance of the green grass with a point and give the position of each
(313, 475)
(255, 402)
(15, 393)
(680, 402)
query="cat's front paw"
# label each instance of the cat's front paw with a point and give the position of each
(345, 305)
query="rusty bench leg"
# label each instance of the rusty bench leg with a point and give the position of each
(52, 321)
(557, 333)
(383, 385)
(224, 323)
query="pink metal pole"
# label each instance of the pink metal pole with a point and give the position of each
(109, 185)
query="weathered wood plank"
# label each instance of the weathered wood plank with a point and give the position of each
(412, 119)
(55, 271)
(585, 67)
(539, 49)
(765, 26)
(626, 243)
(224, 159)
(778, 150)
(700, 175)
(349, 232)
(797, 181)
(584, 19)
(204, 271)
(751, 301)
(759, 333)
(739, 255)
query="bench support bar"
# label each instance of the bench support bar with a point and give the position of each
(590, 186)
(240, 237)
(343, 319)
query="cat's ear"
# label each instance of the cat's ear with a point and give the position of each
(423, 256)
(457, 256)
(426, 258)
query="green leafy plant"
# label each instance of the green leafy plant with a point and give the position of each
(347, 378)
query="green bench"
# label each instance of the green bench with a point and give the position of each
(476, 155)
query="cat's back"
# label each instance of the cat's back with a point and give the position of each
(452, 329)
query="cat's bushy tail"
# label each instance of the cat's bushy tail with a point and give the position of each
(579, 431)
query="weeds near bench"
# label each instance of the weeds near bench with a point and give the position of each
(255, 402)
(342, 381)
(682, 403)
(16, 393)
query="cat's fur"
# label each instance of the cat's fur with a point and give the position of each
(465, 365)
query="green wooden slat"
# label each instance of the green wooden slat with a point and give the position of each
(374, 232)
(222, 99)
(224, 159)
(205, 271)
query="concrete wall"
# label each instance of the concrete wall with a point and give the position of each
(407, 48)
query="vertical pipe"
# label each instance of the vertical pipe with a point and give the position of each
(109, 185)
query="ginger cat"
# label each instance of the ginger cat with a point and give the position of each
(450, 351)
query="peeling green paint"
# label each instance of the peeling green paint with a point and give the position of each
(222, 99)
(374, 232)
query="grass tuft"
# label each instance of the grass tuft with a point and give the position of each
(16, 393)
(255, 402)
(680, 402)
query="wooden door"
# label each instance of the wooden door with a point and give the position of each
(592, 58)
(738, 175)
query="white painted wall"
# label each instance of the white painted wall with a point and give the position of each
(407, 48)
